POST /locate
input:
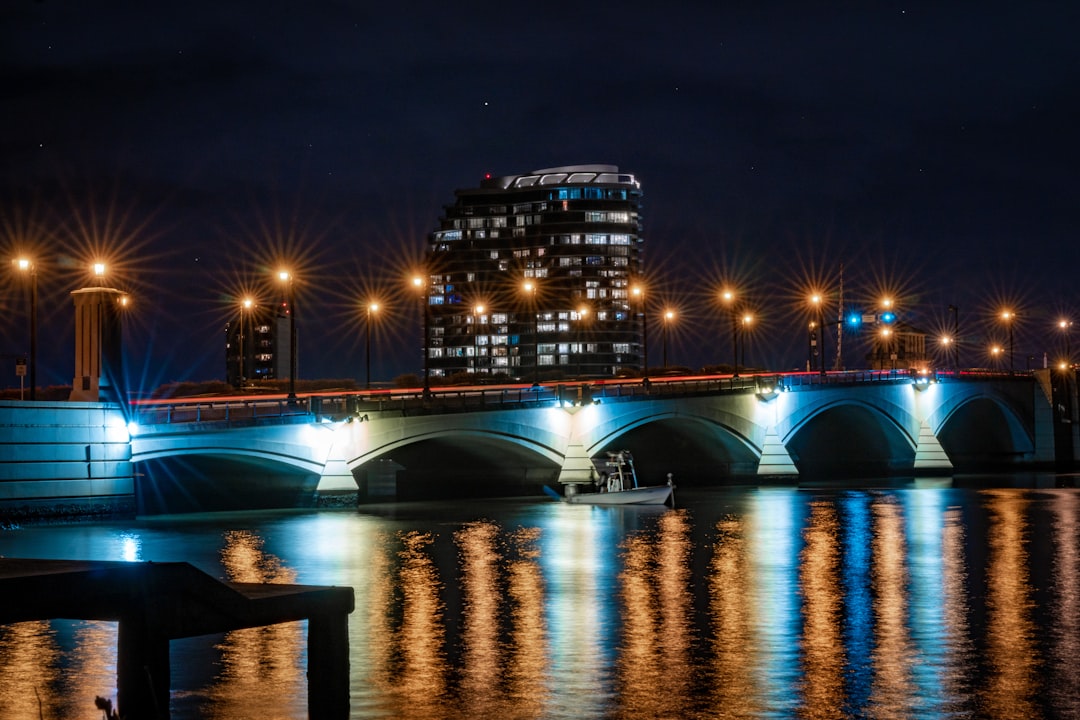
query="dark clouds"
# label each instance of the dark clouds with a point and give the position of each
(772, 138)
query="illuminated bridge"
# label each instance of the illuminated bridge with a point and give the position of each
(266, 452)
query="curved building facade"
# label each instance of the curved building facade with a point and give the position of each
(532, 275)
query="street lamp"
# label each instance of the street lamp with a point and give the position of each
(478, 312)
(639, 293)
(946, 341)
(286, 277)
(27, 266)
(583, 314)
(819, 305)
(886, 347)
(418, 283)
(372, 307)
(1008, 316)
(747, 319)
(995, 352)
(99, 273)
(1066, 327)
(245, 305)
(669, 317)
(530, 288)
(729, 299)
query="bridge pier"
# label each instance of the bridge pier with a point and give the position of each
(775, 459)
(577, 468)
(930, 457)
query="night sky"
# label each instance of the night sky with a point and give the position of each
(929, 148)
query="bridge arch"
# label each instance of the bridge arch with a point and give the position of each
(457, 463)
(981, 431)
(691, 446)
(848, 438)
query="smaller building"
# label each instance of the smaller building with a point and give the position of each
(257, 345)
(898, 346)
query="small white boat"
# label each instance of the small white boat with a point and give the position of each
(617, 485)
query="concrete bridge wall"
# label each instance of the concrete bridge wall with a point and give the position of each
(71, 457)
(68, 450)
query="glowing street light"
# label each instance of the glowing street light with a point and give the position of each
(728, 298)
(478, 312)
(886, 345)
(1009, 317)
(747, 319)
(372, 307)
(286, 277)
(669, 317)
(639, 293)
(247, 304)
(418, 283)
(530, 289)
(1066, 328)
(25, 265)
(818, 303)
(583, 317)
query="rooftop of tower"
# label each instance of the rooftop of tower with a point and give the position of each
(564, 175)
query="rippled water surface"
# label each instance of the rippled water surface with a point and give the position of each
(905, 601)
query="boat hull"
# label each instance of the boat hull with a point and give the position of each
(654, 495)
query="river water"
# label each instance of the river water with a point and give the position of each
(918, 600)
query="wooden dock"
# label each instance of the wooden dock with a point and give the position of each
(158, 602)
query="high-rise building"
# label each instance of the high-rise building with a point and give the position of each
(257, 345)
(531, 276)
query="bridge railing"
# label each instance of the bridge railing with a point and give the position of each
(248, 410)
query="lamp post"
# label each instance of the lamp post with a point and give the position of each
(27, 266)
(478, 312)
(816, 301)
(955, 336)
(669, 317)
(747, 319)
(583, 313)
(995, 352)
(1066, 327)
(639, 293)
(372, 307)
(530, 289)
(1008, 316)
(286, 277)
(728, 297)
(418, 283)
(886, 348)
(245, 305)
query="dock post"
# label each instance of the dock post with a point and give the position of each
(142, 670)
(328, 666)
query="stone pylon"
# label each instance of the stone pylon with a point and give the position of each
(775, 459)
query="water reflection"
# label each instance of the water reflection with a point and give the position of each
(418, 667)
(261, 670)
(822, 637)
(1010, 632)
(653, 670)
(480, 632)
(30, 668)
(1065, 611)
(526, 690)
(735, 660)
(925, 603)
